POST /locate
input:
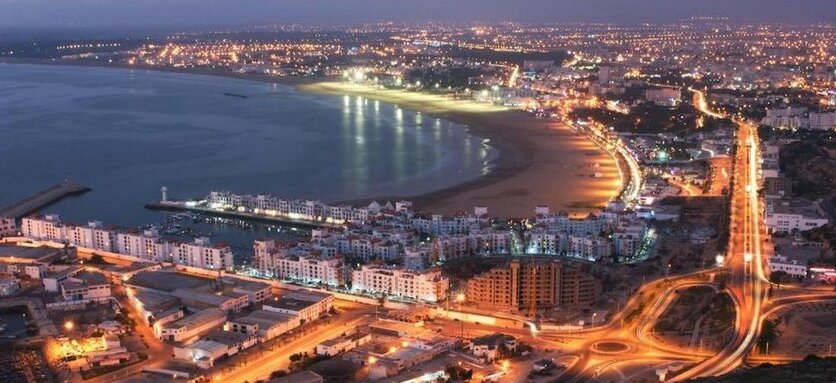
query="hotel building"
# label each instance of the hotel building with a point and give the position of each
(528, 286)
(426, 286)
(203, 254)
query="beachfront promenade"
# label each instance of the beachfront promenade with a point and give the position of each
(42, 198)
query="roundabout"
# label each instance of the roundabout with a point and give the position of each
(610, 347)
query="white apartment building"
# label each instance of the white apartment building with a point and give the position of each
(46, 228)
(663, 96)
(491, 241)
(447, 247)
(437, 224)
(822, 121)
(786, 216)
(563, 223)
(785, 118)
(628, 239)
(791, 267)
(282, 262)
(203, 254)
(798, 117)
(92, 236)
(416, 257)
(292, 209)
(146, 244)
(546, 242)
(588, 247)
(426, 286)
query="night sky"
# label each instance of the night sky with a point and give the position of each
(98, 13)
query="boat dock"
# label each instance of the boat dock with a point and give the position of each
(42, 198)
(182, 206)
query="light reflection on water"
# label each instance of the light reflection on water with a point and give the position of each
(126, 133)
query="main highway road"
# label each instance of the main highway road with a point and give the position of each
(745, 257)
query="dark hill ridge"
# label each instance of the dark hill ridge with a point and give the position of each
(811, 370)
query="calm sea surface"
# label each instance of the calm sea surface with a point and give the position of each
(126, 133)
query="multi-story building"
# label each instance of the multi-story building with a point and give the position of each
(588, 247)
(437, 224)
(145, 244)
(789, 266)
(425, 286)
(628, 239)
(491, 241)
(578, 289)
(528, 286)
(823, 120)
(274, 260)
(46, 228)
(519, 286)
(7, 226)
(784, 216)
(663, 96)
(541, 241)
(785, 118)
(447, 247)
(566, 224)
(291, 209)
(417, 257)
(203, 254)
(777, 186)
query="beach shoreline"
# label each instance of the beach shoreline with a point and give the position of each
(535, 161)
(536, 157)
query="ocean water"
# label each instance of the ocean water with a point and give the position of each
(125, 133)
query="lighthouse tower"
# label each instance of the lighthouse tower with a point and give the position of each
(164, 192)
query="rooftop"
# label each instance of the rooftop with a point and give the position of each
(207, 298)
(264, 319)
(197, 318)
(290, 304)
(156, 302)
(167, 281)
(38, 254)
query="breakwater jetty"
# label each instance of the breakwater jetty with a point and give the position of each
(43, 198)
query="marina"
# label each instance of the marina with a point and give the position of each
(269, 209)
(189, 206)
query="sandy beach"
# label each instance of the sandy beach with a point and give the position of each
(540, 162)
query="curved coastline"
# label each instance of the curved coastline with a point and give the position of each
(534, 166)
(536, 163)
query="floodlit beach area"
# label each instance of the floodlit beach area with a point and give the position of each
(541, 162)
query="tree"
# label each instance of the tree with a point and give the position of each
(769, 334)
(97, 259)
(778, 277)
(458, 373)
(278, 373)
(295, 357)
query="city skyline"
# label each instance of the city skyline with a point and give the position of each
(390, 191)
(191, 13)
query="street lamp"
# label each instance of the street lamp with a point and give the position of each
(68, 325)
(460, 298)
